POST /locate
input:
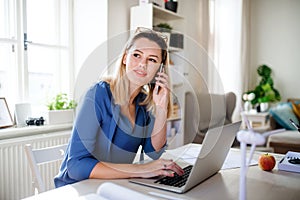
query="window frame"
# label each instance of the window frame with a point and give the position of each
(58, 69)
(20, 88)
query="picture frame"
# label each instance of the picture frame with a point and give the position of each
(5, 116)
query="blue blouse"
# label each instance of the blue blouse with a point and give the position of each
(102, 133)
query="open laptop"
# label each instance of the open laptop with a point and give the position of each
(212, 155)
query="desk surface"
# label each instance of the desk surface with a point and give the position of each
(223, 185)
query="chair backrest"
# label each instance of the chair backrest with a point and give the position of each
(214, 110)
(42, 156)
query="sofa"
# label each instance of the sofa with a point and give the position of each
(288, 140)
(214, 110)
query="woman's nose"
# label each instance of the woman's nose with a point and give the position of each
(143, 63)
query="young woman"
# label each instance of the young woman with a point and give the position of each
(122, 113)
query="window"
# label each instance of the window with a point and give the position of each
(225, 32)
(8, 48)
(47, 31)
(35, 48)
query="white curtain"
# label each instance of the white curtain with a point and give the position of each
(227, 43)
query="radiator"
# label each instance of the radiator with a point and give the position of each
(16, 180)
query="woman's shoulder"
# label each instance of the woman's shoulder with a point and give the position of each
(103, 85)
(101, 88)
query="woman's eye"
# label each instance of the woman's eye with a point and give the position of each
(153, 60)
(136, 55)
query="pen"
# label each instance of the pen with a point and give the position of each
(295, 125)
(164, 196)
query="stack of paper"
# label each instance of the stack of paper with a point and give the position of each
(285, 165)
(189, 153)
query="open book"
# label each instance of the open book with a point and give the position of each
(108, 191)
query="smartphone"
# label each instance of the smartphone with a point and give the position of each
(161, 69)
(152, 82)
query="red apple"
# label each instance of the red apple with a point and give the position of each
(266, 162)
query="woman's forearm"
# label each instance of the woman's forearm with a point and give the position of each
(105, 170)
(159, 136)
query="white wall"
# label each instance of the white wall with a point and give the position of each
(275, 41)
(194, 52)
(118, 26)
(119, 16)
(90, 28)
(90, 48)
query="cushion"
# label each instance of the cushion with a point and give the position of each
(296, 109)
(282, 114)
(286, 137)
(284, 142)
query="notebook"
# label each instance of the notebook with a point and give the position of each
(215, 148)
(290, 162)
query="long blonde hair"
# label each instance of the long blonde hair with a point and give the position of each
(119, 83)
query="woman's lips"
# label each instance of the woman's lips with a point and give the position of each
(140, 73)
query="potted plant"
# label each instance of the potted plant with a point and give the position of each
(163, 27)
(264, 93)
(61, 109)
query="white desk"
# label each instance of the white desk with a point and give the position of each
(224, 185)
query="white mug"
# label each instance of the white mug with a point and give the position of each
(22, 113)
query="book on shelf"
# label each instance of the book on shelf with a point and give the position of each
(285, 163)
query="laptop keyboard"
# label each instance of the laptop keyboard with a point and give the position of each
(176, 180)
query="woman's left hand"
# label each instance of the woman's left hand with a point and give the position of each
(158, 167)
(161, 98)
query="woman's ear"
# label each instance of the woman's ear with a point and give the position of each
(124, 58)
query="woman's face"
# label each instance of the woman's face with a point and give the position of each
(142, 61)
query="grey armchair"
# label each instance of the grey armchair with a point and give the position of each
(215, 110)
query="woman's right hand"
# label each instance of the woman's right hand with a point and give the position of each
(159, 167)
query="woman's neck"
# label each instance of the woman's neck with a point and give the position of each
(133, 92)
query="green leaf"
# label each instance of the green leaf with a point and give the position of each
(61, 102)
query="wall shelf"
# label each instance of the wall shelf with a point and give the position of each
(149, 15)
(165, 14)
(174, 119)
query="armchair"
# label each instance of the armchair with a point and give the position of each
(215, 110)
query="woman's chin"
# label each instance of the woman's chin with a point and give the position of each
(138, 81)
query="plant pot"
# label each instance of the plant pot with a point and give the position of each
(60, 116)
(264, 106)
(171, 5)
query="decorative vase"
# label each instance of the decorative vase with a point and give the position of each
(171, 5)
(247, 106)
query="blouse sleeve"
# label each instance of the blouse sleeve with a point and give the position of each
(81, 162)
(148, 147)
